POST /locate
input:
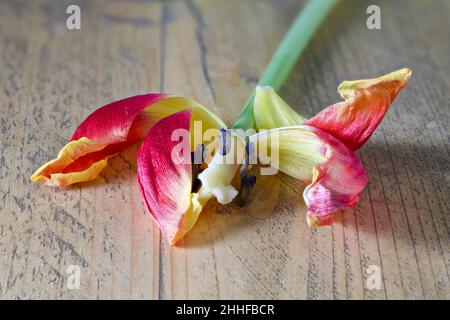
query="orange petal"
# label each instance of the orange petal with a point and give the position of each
(366, 102)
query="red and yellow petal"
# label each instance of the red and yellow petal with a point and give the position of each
(354, 120)
(165, 178)
(334, 173)
(110, 130)
(53, 173)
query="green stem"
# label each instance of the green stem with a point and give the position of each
(287, 54)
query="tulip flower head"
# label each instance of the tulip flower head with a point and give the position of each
(189, 156)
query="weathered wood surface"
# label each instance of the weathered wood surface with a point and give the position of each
(51, 78)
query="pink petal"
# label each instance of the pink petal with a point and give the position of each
(334, 174)
(165, 181)
(336, 183)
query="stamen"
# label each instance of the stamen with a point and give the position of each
(225, 144)
(247, 173)
(197, 159)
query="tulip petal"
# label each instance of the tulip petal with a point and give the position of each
(270, 111)
(165, 179)
(110, 130)
(334, 173)
(354, 120)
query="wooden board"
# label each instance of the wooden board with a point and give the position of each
(51, 78)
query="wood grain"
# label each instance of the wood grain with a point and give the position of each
(51, 78)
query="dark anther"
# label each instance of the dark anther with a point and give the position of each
(225, 144)
(197, 158)
(247, 173)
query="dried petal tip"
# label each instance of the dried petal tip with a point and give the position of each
(393, 82)
(315, 221)
(366, 103)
